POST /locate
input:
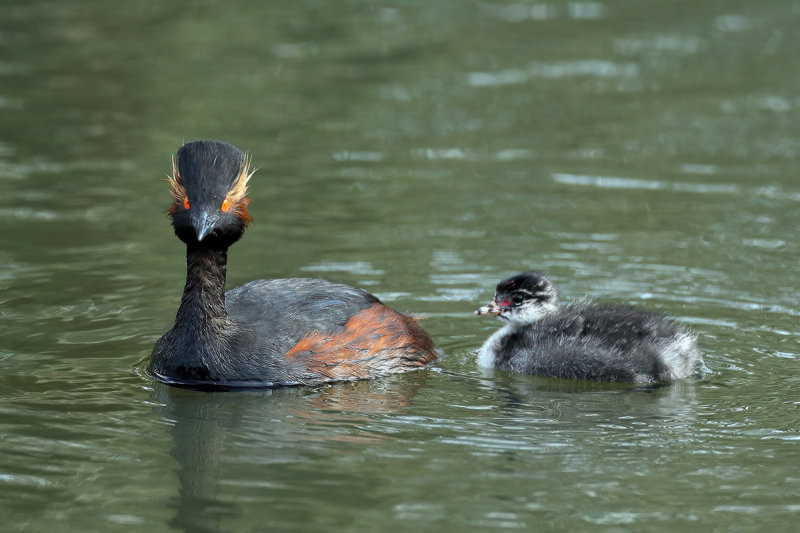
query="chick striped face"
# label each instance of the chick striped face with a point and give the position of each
(522, 299)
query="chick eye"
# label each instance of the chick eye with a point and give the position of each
(186, 202)
(517, 298)
(226, 204)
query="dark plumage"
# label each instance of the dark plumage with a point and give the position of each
(583, 340)
(268, 332)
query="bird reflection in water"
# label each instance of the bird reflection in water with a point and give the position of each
(212, 430)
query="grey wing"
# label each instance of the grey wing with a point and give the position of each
(281, 311)
(616, 325)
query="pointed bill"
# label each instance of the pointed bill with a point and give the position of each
(489, 309)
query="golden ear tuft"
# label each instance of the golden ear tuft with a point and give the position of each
(176, 187)
(239, 189)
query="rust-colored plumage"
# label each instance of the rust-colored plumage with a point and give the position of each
(375, 341)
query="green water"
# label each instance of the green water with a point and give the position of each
(640, 152)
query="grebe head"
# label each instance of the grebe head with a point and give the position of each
(522, 299)
(209, 184)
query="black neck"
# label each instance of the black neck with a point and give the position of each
(196, 348)
(202, 308)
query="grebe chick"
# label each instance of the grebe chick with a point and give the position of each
(583, 340)
(265, 333)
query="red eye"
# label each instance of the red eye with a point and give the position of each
(226, 204)
(186, 202)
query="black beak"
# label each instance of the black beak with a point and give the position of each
(203, 224)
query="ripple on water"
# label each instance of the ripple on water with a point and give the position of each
(26, 213)
(361, 268)
(358, 156)
(554, 71)
(611, 182)
(659, 44)
(541, 11)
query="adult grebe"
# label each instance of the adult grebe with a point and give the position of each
(265, 333)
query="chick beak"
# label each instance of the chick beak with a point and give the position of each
(203, 224)
(489, 309)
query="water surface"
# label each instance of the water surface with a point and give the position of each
(642, 153)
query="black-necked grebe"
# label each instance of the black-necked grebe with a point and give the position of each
(267, 332)
(583, 340)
